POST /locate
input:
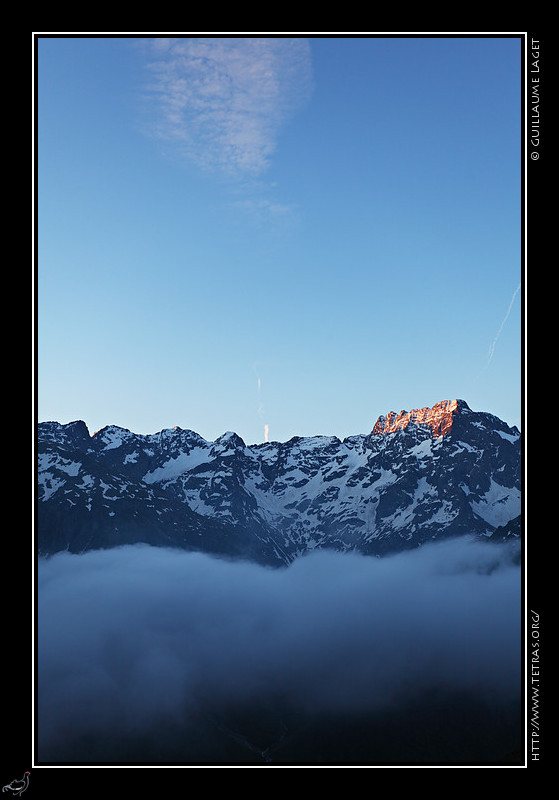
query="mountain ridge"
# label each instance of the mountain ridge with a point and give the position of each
(417, 476)
(439, 417)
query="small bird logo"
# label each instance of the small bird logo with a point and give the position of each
(17, 787)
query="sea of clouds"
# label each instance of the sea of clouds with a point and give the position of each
(132, 637)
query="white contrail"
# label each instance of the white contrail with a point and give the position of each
(260, 410)
(492, 348)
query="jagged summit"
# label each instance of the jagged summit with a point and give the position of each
(231, 439)
(57, 431)
(439, 417)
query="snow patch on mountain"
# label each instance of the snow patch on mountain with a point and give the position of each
(178, 465)
(498, 505)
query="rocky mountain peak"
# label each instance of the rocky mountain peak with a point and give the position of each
(230, 439)
(70, 432)
(439, 418)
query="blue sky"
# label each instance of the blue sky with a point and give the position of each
(277, 236)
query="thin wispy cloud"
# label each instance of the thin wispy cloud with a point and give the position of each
(224, 100)
(494, 342)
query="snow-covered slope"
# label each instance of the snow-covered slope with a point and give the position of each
(419, 475)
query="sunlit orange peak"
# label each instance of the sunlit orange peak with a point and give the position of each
(439, 417)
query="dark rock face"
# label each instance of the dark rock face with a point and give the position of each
(418, 476)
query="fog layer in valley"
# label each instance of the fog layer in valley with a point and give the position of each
(147, 654)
